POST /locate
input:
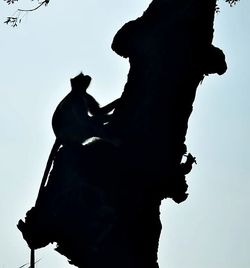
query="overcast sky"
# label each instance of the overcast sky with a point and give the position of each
(209, 230)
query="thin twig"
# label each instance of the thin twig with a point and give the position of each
(24, 265)
(33, 9)
(28, 264)
(15, 19)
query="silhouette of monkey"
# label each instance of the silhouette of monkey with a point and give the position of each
(77, 118)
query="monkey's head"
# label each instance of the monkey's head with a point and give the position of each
(80, 82)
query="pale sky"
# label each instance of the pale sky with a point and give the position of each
(210, 229)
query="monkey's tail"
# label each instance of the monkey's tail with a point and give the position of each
(52, 154)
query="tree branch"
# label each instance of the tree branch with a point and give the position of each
(14, 20)
(33, 9)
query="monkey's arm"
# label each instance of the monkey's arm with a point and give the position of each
(103, 115)
(95, 109)
(93, 105)
(109, 107)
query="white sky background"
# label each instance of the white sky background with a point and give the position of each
(37, 59)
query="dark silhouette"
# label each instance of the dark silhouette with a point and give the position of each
(72, 123)
(78, 116)
(101, 202)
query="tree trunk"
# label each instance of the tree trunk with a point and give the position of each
(101, 204)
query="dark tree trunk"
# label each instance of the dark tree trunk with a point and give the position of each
(101, 204)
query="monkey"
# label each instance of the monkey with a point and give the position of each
(77, 118)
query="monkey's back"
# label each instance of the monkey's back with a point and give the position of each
(71, 122)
